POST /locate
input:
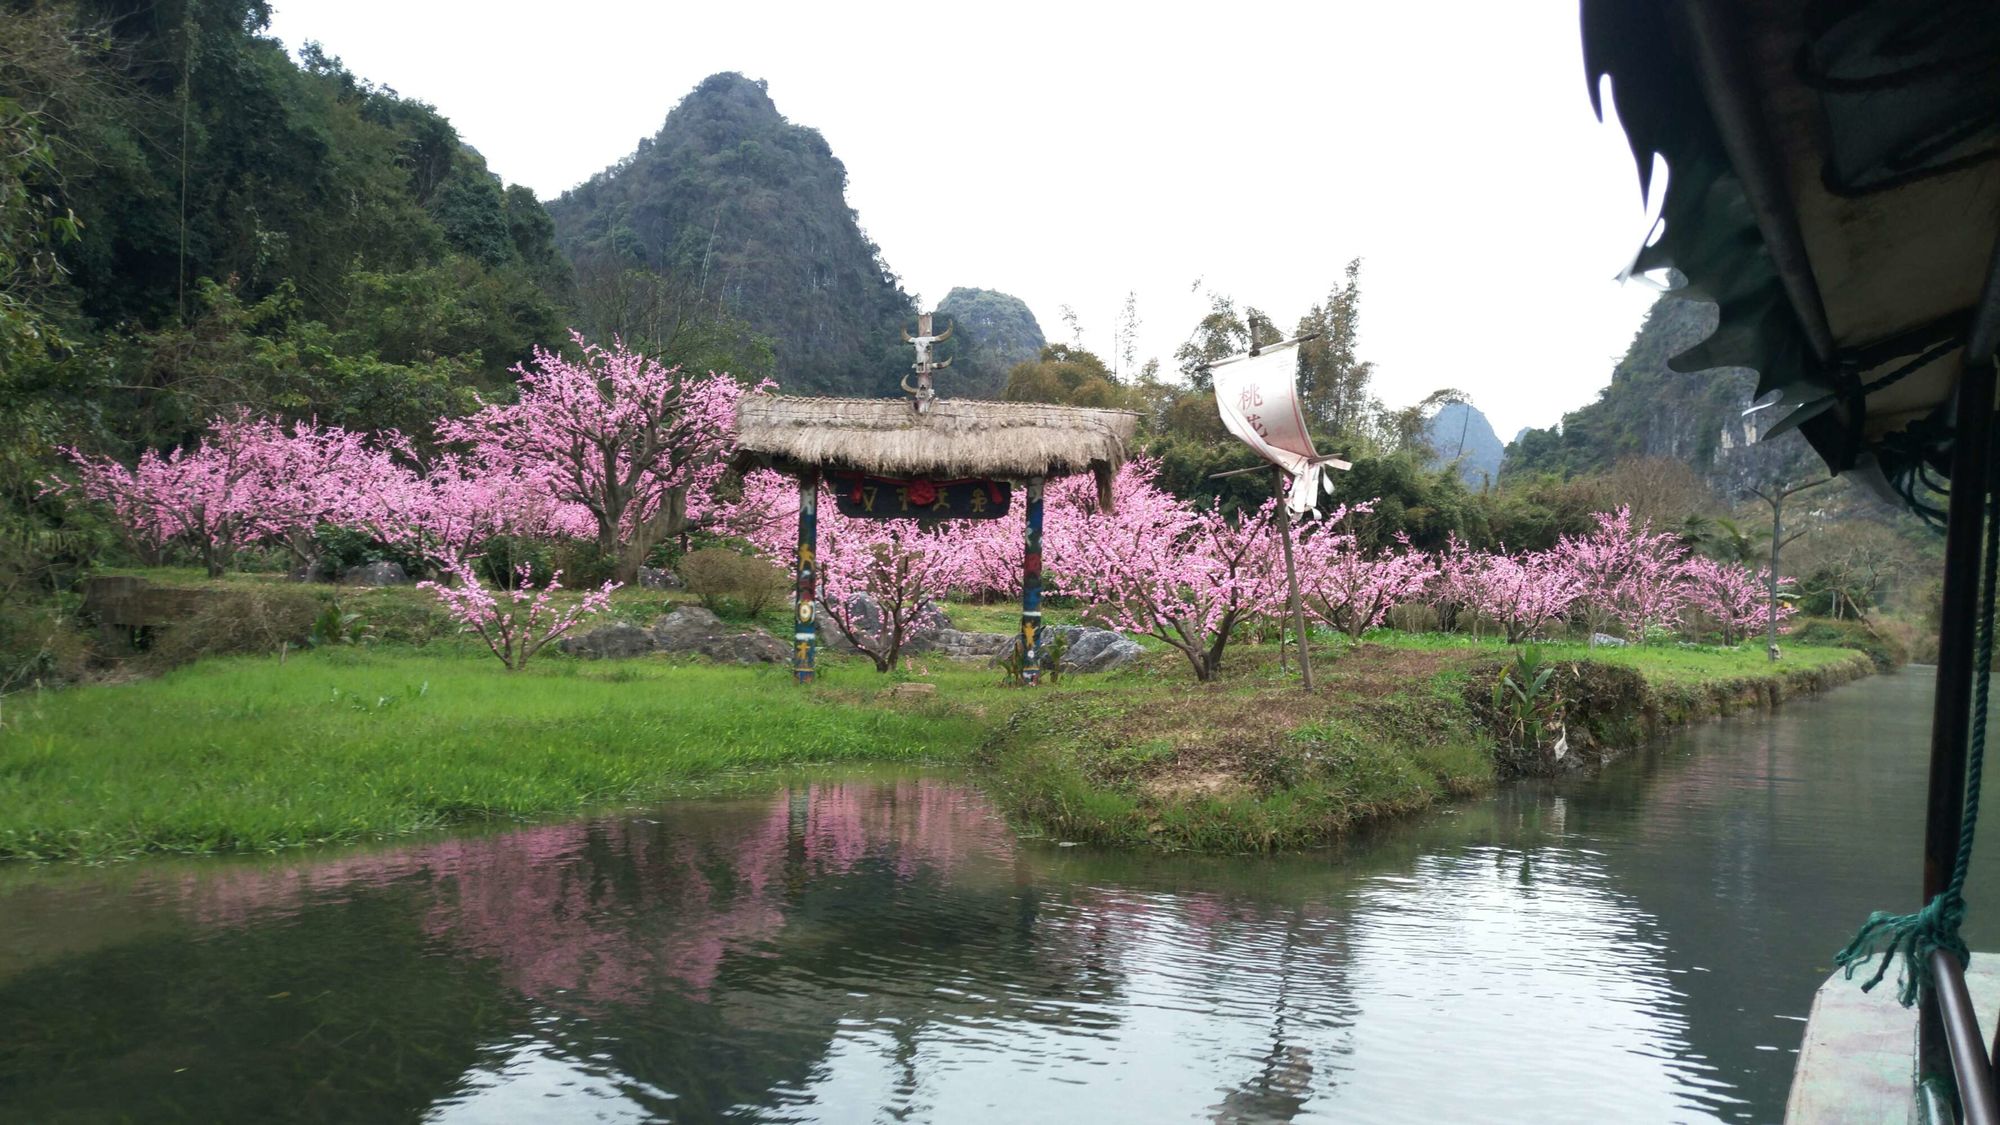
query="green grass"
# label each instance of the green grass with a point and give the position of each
(1690, 665)
(254, 753)
(247, 754)
(1253, 764)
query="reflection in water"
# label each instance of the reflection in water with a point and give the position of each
(1640, 946)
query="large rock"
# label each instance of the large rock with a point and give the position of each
(614, 642)
(654, 578)
(954, 645)
(694, 629)
(755, 647)
(1087, 649)
(866, 614)
(684, 629)
(375, 574)
(1096, 650)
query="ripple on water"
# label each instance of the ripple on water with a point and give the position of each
(1640, 946)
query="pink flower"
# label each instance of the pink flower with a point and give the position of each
(516, 623)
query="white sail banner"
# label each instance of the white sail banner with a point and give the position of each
(1258, 398)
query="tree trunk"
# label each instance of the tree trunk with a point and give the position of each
(648, 533)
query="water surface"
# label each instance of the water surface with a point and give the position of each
(1640, 946)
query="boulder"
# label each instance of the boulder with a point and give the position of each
(615, 642)
(910, 691)
(1087, 649)
(319, 570)
(654, 578)
(754, 647)
(1606, 640)
(867, 617)
(694, 629)
(684, 629)
(1096, 650)
(954, 645)
(375, 574)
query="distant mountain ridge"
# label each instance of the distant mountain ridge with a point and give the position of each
(992, 332)
(734, 199)
(1649, 410)
(1459, 434)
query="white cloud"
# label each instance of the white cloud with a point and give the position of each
(1068, 153)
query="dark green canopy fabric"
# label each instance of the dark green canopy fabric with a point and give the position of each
(1833, 187)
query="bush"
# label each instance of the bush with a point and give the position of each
(39, 645)
(720, 576)
(234, 621)
(1885, 647)
(503, 556)
(583, 566)
(341, 549)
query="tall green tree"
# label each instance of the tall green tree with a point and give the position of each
(1333, 378)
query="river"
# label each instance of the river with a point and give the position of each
(1638, 946)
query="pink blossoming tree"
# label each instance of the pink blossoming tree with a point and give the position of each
(1524, 593)
(213, 498)
(1727, 598)
(623, 438)
(1155, 566)
(516, 623)
(1629, 574)
(878, 579)
(1349, 589)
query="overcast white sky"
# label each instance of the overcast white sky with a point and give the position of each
(1069, 152)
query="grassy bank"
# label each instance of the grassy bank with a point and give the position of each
(248, 754)
(1399, 724)
(423, 730)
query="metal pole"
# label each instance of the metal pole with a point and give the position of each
(1951, 707)
(805, 632)
(1031, 590)
(1292, 582)
(1977, 1104)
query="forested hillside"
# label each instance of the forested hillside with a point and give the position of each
(1647, 410)
(194, 223)
(750, 211)
(992, 332)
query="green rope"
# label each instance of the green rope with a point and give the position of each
(1914, 937)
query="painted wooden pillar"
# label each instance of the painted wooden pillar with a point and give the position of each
(1031, 590)
(805, 623)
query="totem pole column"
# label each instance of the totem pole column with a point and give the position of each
(1031, 590)
(805, 630)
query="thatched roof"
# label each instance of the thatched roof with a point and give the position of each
(955, 438)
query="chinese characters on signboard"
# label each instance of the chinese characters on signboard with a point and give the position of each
(882, 498)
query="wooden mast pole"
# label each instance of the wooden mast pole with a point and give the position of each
(805, 625)
(1292, 584)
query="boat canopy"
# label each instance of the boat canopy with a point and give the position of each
(1833, 184)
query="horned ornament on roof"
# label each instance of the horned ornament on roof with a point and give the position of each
(920, 390)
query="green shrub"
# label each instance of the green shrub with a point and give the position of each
(1885, 647)
(726, 579)
(39, 644)
(503, 556)
(583, 566)
(249, 620)
(343, 548)
(337, 626)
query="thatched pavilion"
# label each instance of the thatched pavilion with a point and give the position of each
(950, 459)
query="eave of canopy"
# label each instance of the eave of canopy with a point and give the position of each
(954, 438)
(1833, 187)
